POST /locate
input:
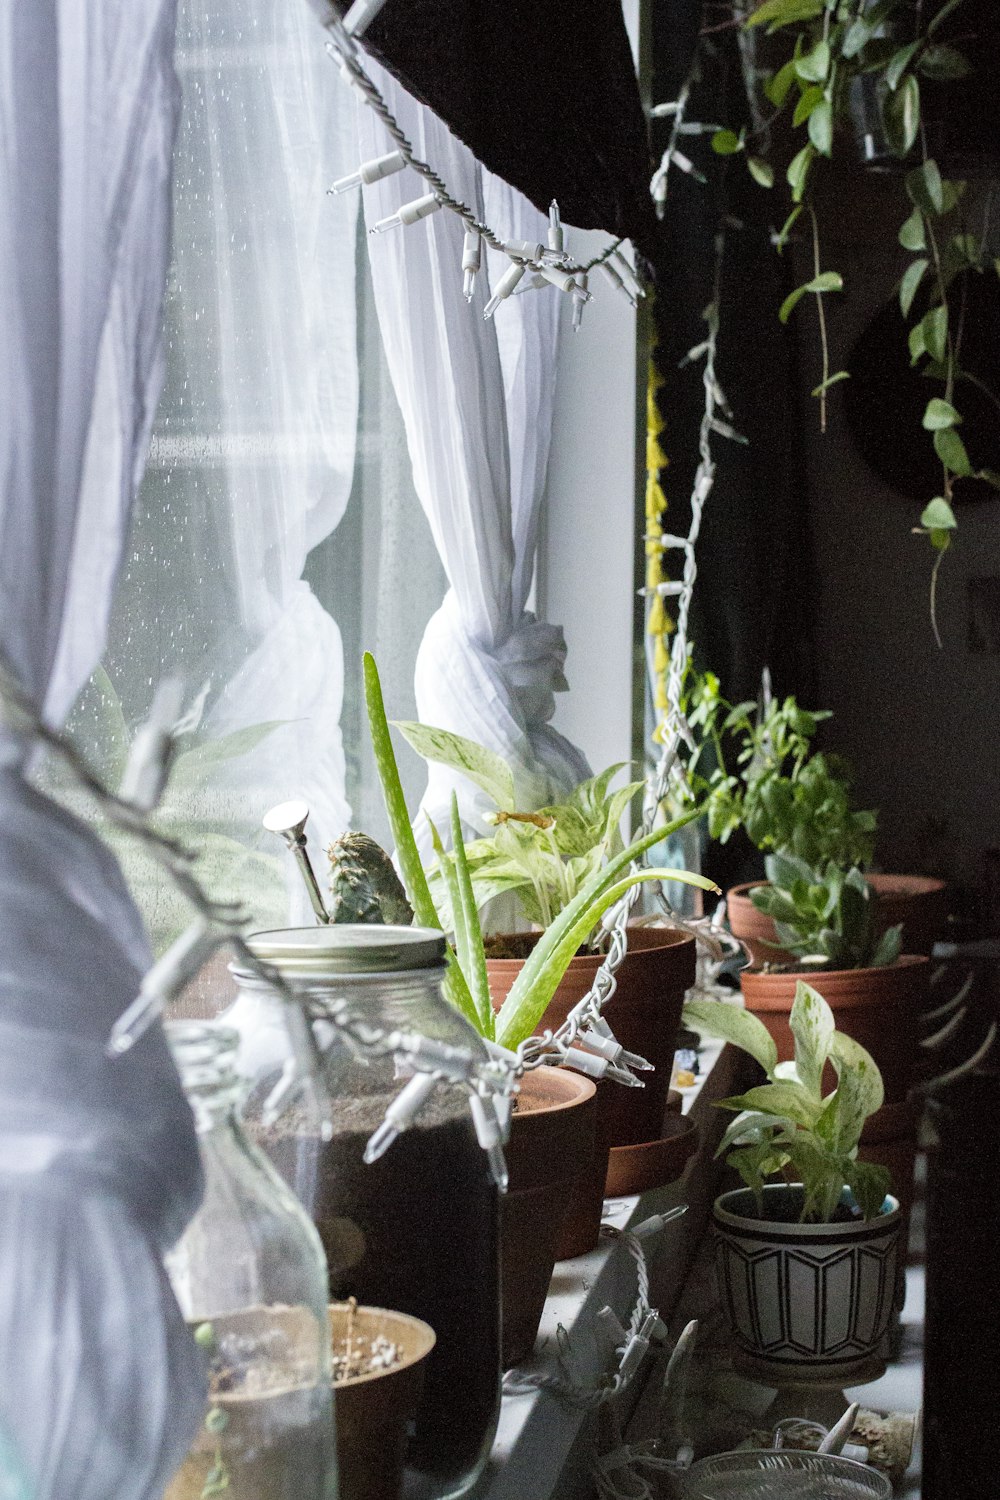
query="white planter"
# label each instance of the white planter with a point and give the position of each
(811, 1300)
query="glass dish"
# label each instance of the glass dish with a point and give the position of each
(786, 1474)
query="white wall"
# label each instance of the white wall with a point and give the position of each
(586, 568)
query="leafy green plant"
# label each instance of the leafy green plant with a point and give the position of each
(789, 797)
(825, 918)
(832, 51)
(466, 982)
(543, 856)
(788, 1125)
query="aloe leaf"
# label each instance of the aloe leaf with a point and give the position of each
(538, 980)
(473, 958)
(411, 868)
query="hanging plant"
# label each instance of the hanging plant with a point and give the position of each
(834, 56)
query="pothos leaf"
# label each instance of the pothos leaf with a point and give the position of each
(487, 770)
(940, 414)
(912, 278)
(951, 451)
(731, 1024)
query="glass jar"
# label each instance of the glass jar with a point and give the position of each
(417, 1230)
(250, 1278)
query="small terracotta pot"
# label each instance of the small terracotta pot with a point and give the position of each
(372, 1411)
(877, 1007)
(637, 1169)
(917, 901)
(644, 1012)
(551, 1147)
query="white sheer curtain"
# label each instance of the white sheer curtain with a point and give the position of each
(98, 1159)
(476, 399)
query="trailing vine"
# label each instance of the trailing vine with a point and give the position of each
(829, 49)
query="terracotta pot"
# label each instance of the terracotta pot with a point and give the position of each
(637, 1169)
(811, 1301)
(373, 1410)
(917, 901)
(551, 1146)
(877, 1007)
(644, 1013)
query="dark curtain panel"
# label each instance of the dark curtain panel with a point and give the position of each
(751, 605)
(542, 91)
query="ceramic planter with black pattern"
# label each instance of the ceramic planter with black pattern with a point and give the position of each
(804, 1301)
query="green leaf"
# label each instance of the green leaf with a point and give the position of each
(925, 188)
(814, 65)
(944, 63)
(951, 451)
(859, 1089)
(912, 278)
(940, 414)
(761, 171)
(812, 1025)
(726, 143)
(869, 1182)
(776, 88)
(196, 763)
(790, 303)
(826, 281)
(784, 1099)
(901, 115)
(942, 15)
(789, 225)
(732, 1024)
(935, 331)
(414, 878)
(938, 515)
(487, 770)
(776, 13)
(808, 100)
(821, 127)
(990, 476)
(797, 175)
(835, 379)
(912, 236)
(917, 343)
(473, 958)
(899, 63)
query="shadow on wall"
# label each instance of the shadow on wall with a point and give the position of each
(918, 723)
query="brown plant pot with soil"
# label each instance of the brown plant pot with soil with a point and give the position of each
(378, 1377)
(644, 1012)
(877, 1007)
(551, 1146)
(918, 902)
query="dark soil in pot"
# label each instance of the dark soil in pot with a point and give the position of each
(417, 1230)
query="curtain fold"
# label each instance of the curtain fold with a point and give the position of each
(98, 1158)
(476, 398)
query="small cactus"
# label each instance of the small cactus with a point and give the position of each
(364, 886)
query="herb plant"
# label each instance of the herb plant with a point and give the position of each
(466, 983)
(788, 1125)
(790, 798)
(827, 918)
(543, 856)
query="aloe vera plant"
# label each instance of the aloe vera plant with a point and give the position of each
(466, 982)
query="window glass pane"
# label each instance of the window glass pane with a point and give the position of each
(276, 533)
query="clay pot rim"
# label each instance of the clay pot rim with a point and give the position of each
(679, 1133)
(580, 1091)
(882, 881)
(756, 1228)
(904, 961)
(674, 938)
(423, 1331)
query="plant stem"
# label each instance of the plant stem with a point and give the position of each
(824, 345)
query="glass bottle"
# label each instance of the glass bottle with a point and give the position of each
(417, 1230)
(250, 1278)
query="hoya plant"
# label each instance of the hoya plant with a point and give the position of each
(790, 798)
(467, 985)
(788, 1126)
(825, 918)
(542, 855)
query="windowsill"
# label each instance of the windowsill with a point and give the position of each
(536, 1433)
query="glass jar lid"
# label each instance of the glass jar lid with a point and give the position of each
(349, 948)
